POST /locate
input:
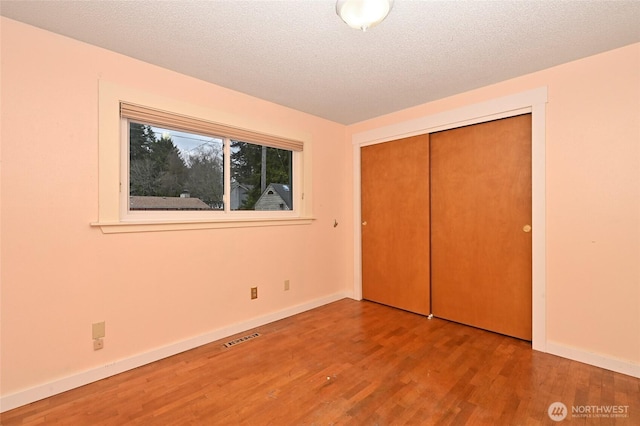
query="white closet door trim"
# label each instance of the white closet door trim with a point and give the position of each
(532, 101)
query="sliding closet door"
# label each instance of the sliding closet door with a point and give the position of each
(480, 225)
(395, 223)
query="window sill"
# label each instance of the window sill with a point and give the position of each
(147, 226)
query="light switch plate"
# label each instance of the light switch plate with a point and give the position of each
(98, 330)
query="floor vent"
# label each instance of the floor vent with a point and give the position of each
(241, 340)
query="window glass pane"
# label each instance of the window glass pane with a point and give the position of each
(261, 177)
(173, 170)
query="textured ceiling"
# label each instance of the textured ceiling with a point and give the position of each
(300, 54)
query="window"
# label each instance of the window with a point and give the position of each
(178, 164)
(162, 170)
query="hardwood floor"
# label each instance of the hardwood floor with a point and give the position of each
(349, 362)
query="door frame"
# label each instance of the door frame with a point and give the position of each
(532, 101)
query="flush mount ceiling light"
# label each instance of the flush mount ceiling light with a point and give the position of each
(363, 14)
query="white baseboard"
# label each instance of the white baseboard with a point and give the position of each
(603, 361)
(46, 390)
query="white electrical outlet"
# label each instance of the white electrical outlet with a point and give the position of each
(98, 344)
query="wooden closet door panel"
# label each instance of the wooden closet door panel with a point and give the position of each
(395, 223)
(480, 210)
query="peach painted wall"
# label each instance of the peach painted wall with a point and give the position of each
(592, 196)
(59, 275)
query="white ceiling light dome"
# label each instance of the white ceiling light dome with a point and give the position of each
(363, 14)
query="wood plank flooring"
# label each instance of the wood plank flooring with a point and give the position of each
(347, 363)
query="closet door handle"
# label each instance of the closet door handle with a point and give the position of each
(526, 228)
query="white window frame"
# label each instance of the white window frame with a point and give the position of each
(113, 172)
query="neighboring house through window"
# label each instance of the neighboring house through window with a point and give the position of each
(276, 197)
